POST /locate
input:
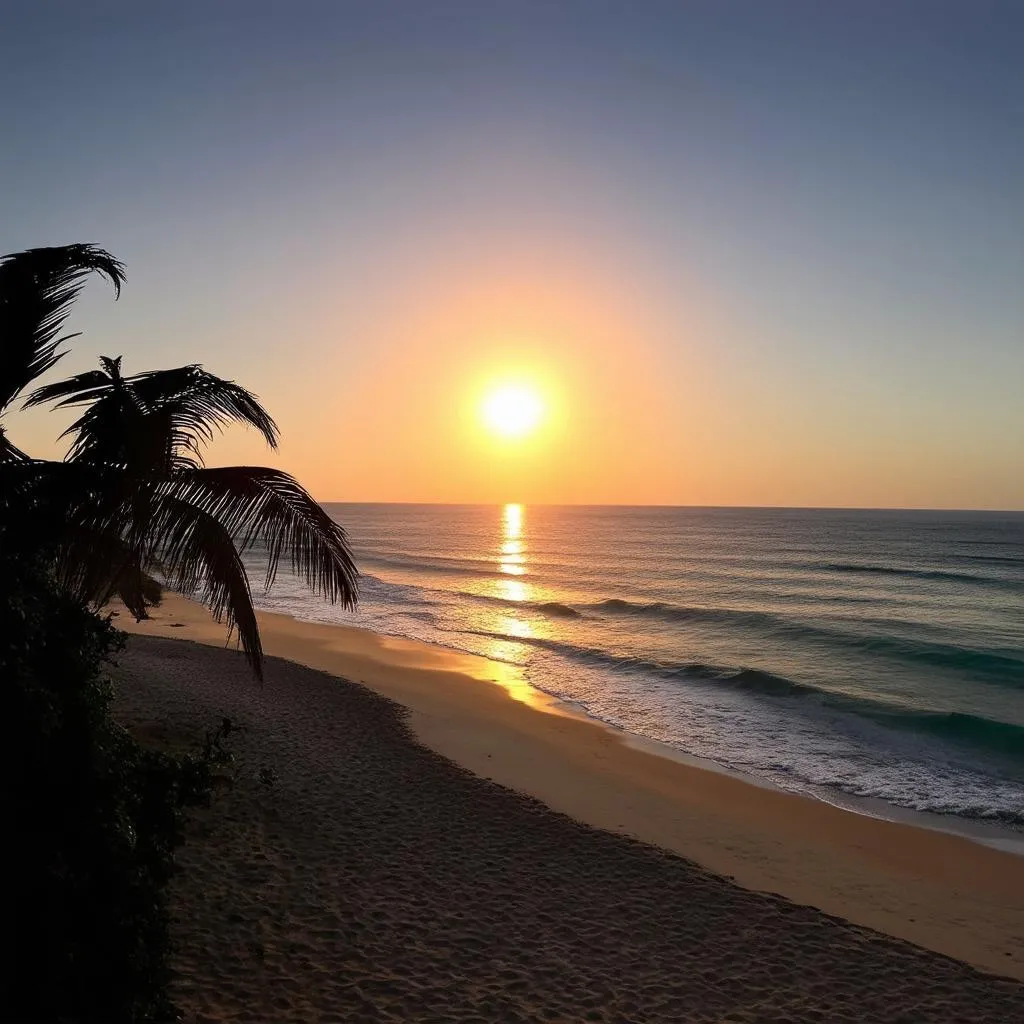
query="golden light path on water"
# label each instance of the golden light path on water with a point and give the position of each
(513, 553)
(510, 586)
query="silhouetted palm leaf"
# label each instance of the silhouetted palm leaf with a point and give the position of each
(81, 389)
(198, 402)
(9, 452)
(171, 414)
(270, 508)
(198, 556)
(37, 288)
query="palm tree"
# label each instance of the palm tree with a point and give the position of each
(134, 498)
(37, 288)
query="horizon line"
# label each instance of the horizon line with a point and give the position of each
(621, 504)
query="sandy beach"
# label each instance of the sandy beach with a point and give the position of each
(383, 875)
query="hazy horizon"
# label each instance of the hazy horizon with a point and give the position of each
(741, 255)
(626, 504)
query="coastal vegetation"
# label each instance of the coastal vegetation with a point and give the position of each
(131, 507)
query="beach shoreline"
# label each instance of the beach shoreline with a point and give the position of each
(935, 889)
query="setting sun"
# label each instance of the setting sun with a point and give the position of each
(512, 410)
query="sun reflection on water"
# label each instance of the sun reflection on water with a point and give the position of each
(509, 586)
(516, 627)
(512, 518)
(512, 590)
(512, 560)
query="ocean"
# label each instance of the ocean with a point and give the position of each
(870, 658)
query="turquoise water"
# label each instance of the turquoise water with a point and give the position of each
(868, 653)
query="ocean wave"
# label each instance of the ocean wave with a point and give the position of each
(993, 559)
(1006, 668)
(428, 566)
(556, 608)
(975, 730)
(553, 608)
(753, 678)
(960, 727)
(404, 592)
(870, 638)
(683, 613)
(422, 595)
(479, 568)
(1003, 668)
(930, 575)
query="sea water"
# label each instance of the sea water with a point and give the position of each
(859, 654)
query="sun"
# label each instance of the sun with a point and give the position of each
(512, 410)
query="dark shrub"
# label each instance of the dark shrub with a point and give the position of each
(90, 820)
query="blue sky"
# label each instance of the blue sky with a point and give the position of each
(812, 213)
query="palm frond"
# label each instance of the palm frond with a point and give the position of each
(37, 288)
(95, 563)
(109, 529)
(113, 429)
(199, 401)
(81, 389)
(9, 451)
(198, 556)
(265, 506)
(159, 420)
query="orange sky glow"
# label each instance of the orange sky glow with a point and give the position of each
(734, 268)
(636, 409)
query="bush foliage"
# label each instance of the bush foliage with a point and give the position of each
(91, 821)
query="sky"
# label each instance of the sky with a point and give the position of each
(747, 253)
